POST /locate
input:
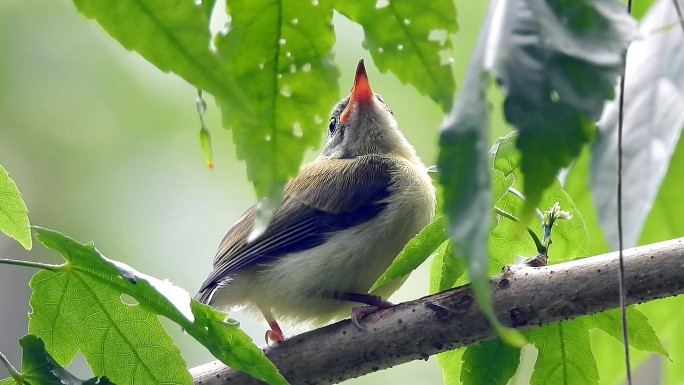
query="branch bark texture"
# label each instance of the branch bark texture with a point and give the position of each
(523, 297)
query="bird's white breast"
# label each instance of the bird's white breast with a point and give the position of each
(295, 286)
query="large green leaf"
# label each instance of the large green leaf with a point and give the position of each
(14, 219)
(39, 368)
(174, 37)
(464, 172)
(280, 53)
(565, 355)
(411, 39)
(654, 102)
(79, 306)
(557, 62)
(491, 362)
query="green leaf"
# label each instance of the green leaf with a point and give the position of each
(411, 39)
(565, 355)
(80, 307)
(492, 362)
(445, 268)
(654, 97)
(39, 368)
(639, 330)
(464, 171)
(416, 251)
(174, 37)
(569, 237)
(451, 363)
(280, 53)
(556, 77)
(14, 219)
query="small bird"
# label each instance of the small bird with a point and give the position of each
(342, 221)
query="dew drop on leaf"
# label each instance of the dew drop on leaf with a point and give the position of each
(381, 4)
(407, 21)
(314, 3)
(297, 130)
(279, 76)
(306, 67)
(288, 54)
(381, 50)
(400, 47)
(285, 91)
(261, 66)
(268, 138)
(295, 21)
(282, 41)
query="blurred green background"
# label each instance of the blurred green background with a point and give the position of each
(104, 147)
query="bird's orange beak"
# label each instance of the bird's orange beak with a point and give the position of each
(361, 93)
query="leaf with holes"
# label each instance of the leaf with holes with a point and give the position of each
(654, 101)
(174, 37)
(78, 306)
(14, 219)
(39, 368)
(410, 39)
(280, 53)
(565, 355)
(557, 63)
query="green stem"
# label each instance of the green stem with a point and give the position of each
(12, 371)
(540, 247)
(37, 265)
(520, 195)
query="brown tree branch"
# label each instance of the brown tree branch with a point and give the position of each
(524, 297)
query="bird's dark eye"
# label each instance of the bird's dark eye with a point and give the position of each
(333, 124)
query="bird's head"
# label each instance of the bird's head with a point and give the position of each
(362, 124)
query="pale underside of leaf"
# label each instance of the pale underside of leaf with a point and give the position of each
(654, 118)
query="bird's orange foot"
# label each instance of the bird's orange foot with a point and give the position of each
(362, 311)
(275, 334)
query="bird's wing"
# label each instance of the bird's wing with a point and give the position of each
(326, 197)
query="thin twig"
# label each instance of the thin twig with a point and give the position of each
(621, 269)
(539, 245)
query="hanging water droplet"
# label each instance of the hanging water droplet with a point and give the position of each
(317, 119)
(381, 4)
(407, 21)
(282, 41)
(400, 47)
(285, 91)
(297, 130)
(306, 67)
(293, 68)
(295, 21)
